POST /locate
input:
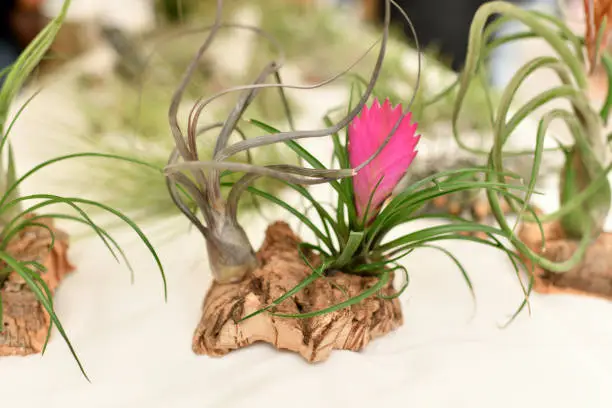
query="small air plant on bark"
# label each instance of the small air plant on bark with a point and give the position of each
(33, 252)
(567, 250)
(337, 293)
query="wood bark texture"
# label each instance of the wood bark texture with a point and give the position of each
(593, 276)
(281, 268)
(25, 320)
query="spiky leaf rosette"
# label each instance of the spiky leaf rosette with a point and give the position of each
(353, 236)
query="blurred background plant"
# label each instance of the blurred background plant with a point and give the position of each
(584, 191)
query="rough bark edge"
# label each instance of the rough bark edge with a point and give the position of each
(592, 277)
(351, 328)
(26, 322)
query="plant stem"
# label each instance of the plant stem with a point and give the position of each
(230, 254)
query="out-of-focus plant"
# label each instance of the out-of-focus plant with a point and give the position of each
(584, 189)
(20, 211)
(598, 23)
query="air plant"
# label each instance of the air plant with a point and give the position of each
(125, 115)
(21, 212)
(584, 190)
(376, 150)
(133, 107)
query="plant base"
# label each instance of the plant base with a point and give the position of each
(25, 320)
(314, 338)
(593, 276)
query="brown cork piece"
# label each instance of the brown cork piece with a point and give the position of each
(370, 9)
(592, 277)
(314, 338)
(26, 322)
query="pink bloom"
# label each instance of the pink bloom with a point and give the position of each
(367, 133)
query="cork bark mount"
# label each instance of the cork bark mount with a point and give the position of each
(281, 268)
(25, 320)
(592, 276)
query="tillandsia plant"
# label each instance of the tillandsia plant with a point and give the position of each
(334, 281)
(176, 11)
(597, 35)
(32, 250)
(337, 38)
(125, 114)
(576, 228)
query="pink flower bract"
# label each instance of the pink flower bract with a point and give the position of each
(366, 134)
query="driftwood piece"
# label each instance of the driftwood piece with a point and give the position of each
(592, 276)
(314, 338)
(26, 322)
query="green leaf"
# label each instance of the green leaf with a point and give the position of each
(382, 281)
(296, 147)
(427, 234)
(404, 286)
(27, 275)
(604, 113)
(12, 231)
(72, 201)
(301, 152)
(104, 232)
(26, 63)
(352, 245)
(294, 212)
(316, 274)
(35, 169)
